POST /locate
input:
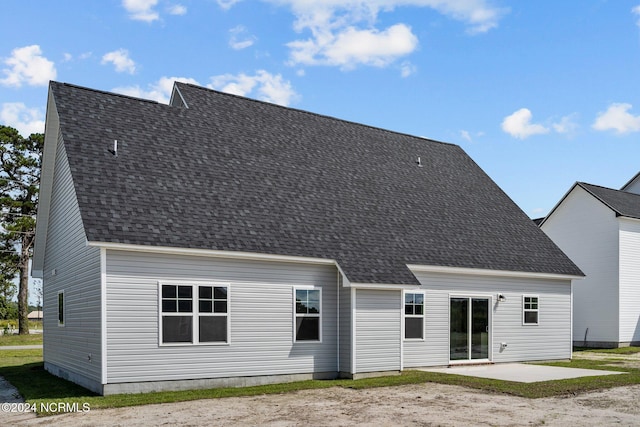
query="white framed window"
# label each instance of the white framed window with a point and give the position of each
(61, 308)
(413, 315)
(308, 315)
(194, 313)
(530, 307)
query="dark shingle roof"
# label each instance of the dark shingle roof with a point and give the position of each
(621, 202)
(234, 174)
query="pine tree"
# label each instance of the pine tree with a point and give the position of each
(20, 162)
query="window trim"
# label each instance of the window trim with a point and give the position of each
(530, 310)
(63, 311)
(413, 316)
(296, 315)
(195, 313)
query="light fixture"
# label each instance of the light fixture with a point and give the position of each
(501, 298)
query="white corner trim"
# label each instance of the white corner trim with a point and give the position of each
(484, 272)
(210, 253)
(103, 313)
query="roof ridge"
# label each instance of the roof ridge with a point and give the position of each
(325, 116)
(105, 92)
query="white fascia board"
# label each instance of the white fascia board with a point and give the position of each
(628, 218)
(210, 253)
(484, 272)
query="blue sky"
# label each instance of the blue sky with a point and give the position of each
(539, 93)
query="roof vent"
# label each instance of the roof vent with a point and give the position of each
(419, 162)
(115, 148)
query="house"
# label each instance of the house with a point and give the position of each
(599, 228)
(35, 315)
(220, 240)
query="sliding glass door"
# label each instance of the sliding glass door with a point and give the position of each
(469, 328)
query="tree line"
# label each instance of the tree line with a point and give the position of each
(20, 164)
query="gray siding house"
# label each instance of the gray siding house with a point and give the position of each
(225, 241)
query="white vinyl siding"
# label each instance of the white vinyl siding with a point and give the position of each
(629, 280)
(550, 340)
(378, 330)
(587, 231)
(261, 318)
(72, 267)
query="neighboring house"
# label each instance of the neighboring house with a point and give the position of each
(35, 315)
(227, 241)
(599, 228)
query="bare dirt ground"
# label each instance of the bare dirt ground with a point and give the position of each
(412, 405)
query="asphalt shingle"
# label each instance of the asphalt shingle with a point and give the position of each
(233, 174)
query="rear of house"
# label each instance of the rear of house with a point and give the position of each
(225, 241)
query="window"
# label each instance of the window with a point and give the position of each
(413, 315)
(194, 314)
(307, 318)
(530, 310)
(61, 308)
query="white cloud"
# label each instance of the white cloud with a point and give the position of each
(469, 137)
(159, 91)
(28, 66)
(267, 87)
(537, 211)
(227, 4)
(141, 10)
(177, 9)
(67, 57)
(120, 59)
(240, 39)
(344, 33)
(352, 46)
(636, 10)
(566, 125)
(617, 118)
(25, 120)
(407, 69)
(519, 125)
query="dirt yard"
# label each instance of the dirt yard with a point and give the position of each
(412, 405)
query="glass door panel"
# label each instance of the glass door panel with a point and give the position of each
(459, 327)
(479, 328)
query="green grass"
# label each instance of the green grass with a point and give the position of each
(31, 339)
(33, 324)
(24, 369)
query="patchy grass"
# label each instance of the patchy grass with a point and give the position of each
(621, 350)
(24, 369)
(31, 339)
